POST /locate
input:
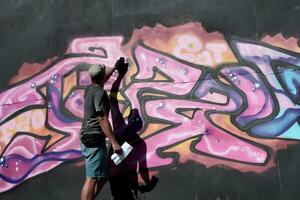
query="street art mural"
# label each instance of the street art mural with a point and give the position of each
(201, 97)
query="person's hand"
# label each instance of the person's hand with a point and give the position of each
(119, 64)
(117, 148)
(122, 70)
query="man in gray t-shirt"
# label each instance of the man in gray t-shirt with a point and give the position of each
(96, 102)
(95, 127)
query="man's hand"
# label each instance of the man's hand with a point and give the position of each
(119, 64)
(107, 130)
(122, 70)
(117, 148)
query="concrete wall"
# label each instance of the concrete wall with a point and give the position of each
(212, 94)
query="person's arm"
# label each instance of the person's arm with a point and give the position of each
(119, 64)
(106, 127)
(109, 72)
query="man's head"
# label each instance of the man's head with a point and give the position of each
(97, 73)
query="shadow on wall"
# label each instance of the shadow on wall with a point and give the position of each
(124, 180)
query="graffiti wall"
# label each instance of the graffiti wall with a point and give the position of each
(202, 98)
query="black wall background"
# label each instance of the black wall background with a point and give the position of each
(34, 30)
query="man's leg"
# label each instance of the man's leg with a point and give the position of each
(99, 185)
(87, 192)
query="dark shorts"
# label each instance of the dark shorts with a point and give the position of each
(96, 163)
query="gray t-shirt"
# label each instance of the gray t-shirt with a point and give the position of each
(96, 103)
